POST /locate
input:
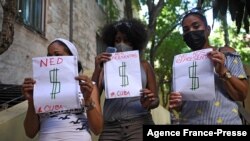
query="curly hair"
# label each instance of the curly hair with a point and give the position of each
(134, 29)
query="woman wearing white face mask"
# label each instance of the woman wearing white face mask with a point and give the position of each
(123, 47)
(124, 117)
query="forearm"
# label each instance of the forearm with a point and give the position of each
(95, 120)
(31, 121)
(96, 74)
(152, 85)
(98, 78)
(236, 88)
(94, 113)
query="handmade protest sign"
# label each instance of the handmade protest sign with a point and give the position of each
(122, 75)
(55, 88)
(193, 76)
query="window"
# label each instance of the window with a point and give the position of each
(31, 14)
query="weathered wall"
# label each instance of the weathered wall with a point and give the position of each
(11, 122)
(88, 18)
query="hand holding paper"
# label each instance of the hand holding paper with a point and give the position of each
(86, 85)
(122, 75)
(193, 75)
(55, 88)
(147, 97)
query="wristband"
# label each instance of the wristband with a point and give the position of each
(227, 75)
(89, 105)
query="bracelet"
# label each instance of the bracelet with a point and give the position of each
(89, 105)
(226, 75)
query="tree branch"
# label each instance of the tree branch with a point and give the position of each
(154, 12)
(7, 33)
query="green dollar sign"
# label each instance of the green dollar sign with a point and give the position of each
(192, 75)
(122, 69)
(56, 85)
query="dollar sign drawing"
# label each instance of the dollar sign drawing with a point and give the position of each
(192, 75)
(56, 85)
(122, 74)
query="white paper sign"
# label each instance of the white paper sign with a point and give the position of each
(193, 76)
(56, 88)
(122, 75)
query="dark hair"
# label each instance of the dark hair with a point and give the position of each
(79, 64)
(134, 29)
(62, 44)
(195, 11)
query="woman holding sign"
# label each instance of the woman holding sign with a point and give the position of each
(230, 78)
(124, 117)
(73, 124)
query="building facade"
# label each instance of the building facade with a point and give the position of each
(39, 22)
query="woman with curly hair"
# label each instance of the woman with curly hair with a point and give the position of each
(124, 117)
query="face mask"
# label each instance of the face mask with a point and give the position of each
(121, 47)
(195, 39)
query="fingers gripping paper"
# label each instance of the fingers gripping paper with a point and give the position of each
(55, 88)
(193, 76)
(122, 75)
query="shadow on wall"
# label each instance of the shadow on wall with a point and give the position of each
(161, 116)
(11, 123)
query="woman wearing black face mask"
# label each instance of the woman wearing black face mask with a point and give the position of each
(230, 79)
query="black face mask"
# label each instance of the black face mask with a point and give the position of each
(195, 39)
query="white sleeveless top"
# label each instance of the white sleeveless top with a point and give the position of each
(69, 125)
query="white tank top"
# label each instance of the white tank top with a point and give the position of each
(71, 125)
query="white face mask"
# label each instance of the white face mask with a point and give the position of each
(121, 47)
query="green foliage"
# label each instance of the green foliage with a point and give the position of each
(111, 9)
(165, 54)
(241, 44)
(238, 41)
(164, 60)
(171, 45)
(136, 4)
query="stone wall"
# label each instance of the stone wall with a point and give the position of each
(88, 18)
